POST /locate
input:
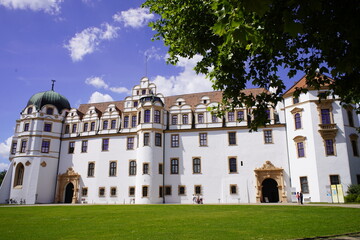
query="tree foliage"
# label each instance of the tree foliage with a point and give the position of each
(250, 41)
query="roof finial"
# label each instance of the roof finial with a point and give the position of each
(52, 85)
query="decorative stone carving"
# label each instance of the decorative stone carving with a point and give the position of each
(70, 176)
(28, 163)
(43, 164)
(296, 110)
(268, 170)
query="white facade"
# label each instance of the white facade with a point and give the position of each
(155, 149)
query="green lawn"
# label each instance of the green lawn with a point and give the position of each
(175, 222)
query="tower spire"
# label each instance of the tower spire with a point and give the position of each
(52, 85)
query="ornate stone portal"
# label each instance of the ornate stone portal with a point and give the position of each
(63, 180)
(268, 170)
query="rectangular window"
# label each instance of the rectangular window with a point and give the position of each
(268, 136)
(200, 118)
(132, 168)
(13, 147)
(84, 145)
(47, 127)
(45, 146)
(113, 191)
(92, 126)
(49, 111)
(146, 139)
(86, 125)
(354, 148)
(167, 190)
(174, 167)
(147, 116)
(334, 179)
(105, 144)
(161, 191)
(101, 192)
(84, 191)
(26, 127)
(304, 186)
(174, 119)
(232, 165)
(174, 140)
(158, 139)
(157, 116)
(145, 168)
(136, 103)
(23, 146)
(300, 149)
(185, 119)
(71, 147)
(181, 190)
(203, 139)
(160, 168)
(297, 118)
(74, 128)
(231, 117)
(130, 143)
(214, 118)
(67, 129)
(295, 100)
(145, 190)
(112, 169)
(240, 115)
(350, 118)
(197, 189)
(232, 138)
(233, 189)
(126, 121)
(133, 121)
(105, 124)
(113, 124)
(91, 169)
(329, 147)
(131, 191)
(325, 116)
(196, 165)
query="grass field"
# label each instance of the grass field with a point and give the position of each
(175, 222)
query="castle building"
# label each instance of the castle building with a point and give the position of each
(150, 149)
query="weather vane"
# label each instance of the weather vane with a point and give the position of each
(52, 85)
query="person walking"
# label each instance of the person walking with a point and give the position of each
(301, 198)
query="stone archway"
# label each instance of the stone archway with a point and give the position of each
(68, 183)
(269, 171)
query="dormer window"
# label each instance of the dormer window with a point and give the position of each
(143, 92)
(179, 103)
(295, 100)
(137, 92)
(205, 101)
(29, 110)
(49, 111)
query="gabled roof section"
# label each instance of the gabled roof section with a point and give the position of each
(301, 84)
(101, 107)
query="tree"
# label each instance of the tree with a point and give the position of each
(2, 175)
(250, 41)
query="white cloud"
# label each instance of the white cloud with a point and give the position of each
(87, 41)
(153, 53)
(134, 18)
(97, 82)
(4, 166)
(48, 6)
(99, 97)
(120, 90)
(186, 81)
(5, 148)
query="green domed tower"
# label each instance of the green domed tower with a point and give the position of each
(35, 148)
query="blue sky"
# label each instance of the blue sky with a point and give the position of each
(94, 49)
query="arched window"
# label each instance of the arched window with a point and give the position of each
(297, 121)
(19, 175)
(29, 110)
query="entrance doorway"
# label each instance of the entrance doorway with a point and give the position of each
(270, 191)
(69, 193)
